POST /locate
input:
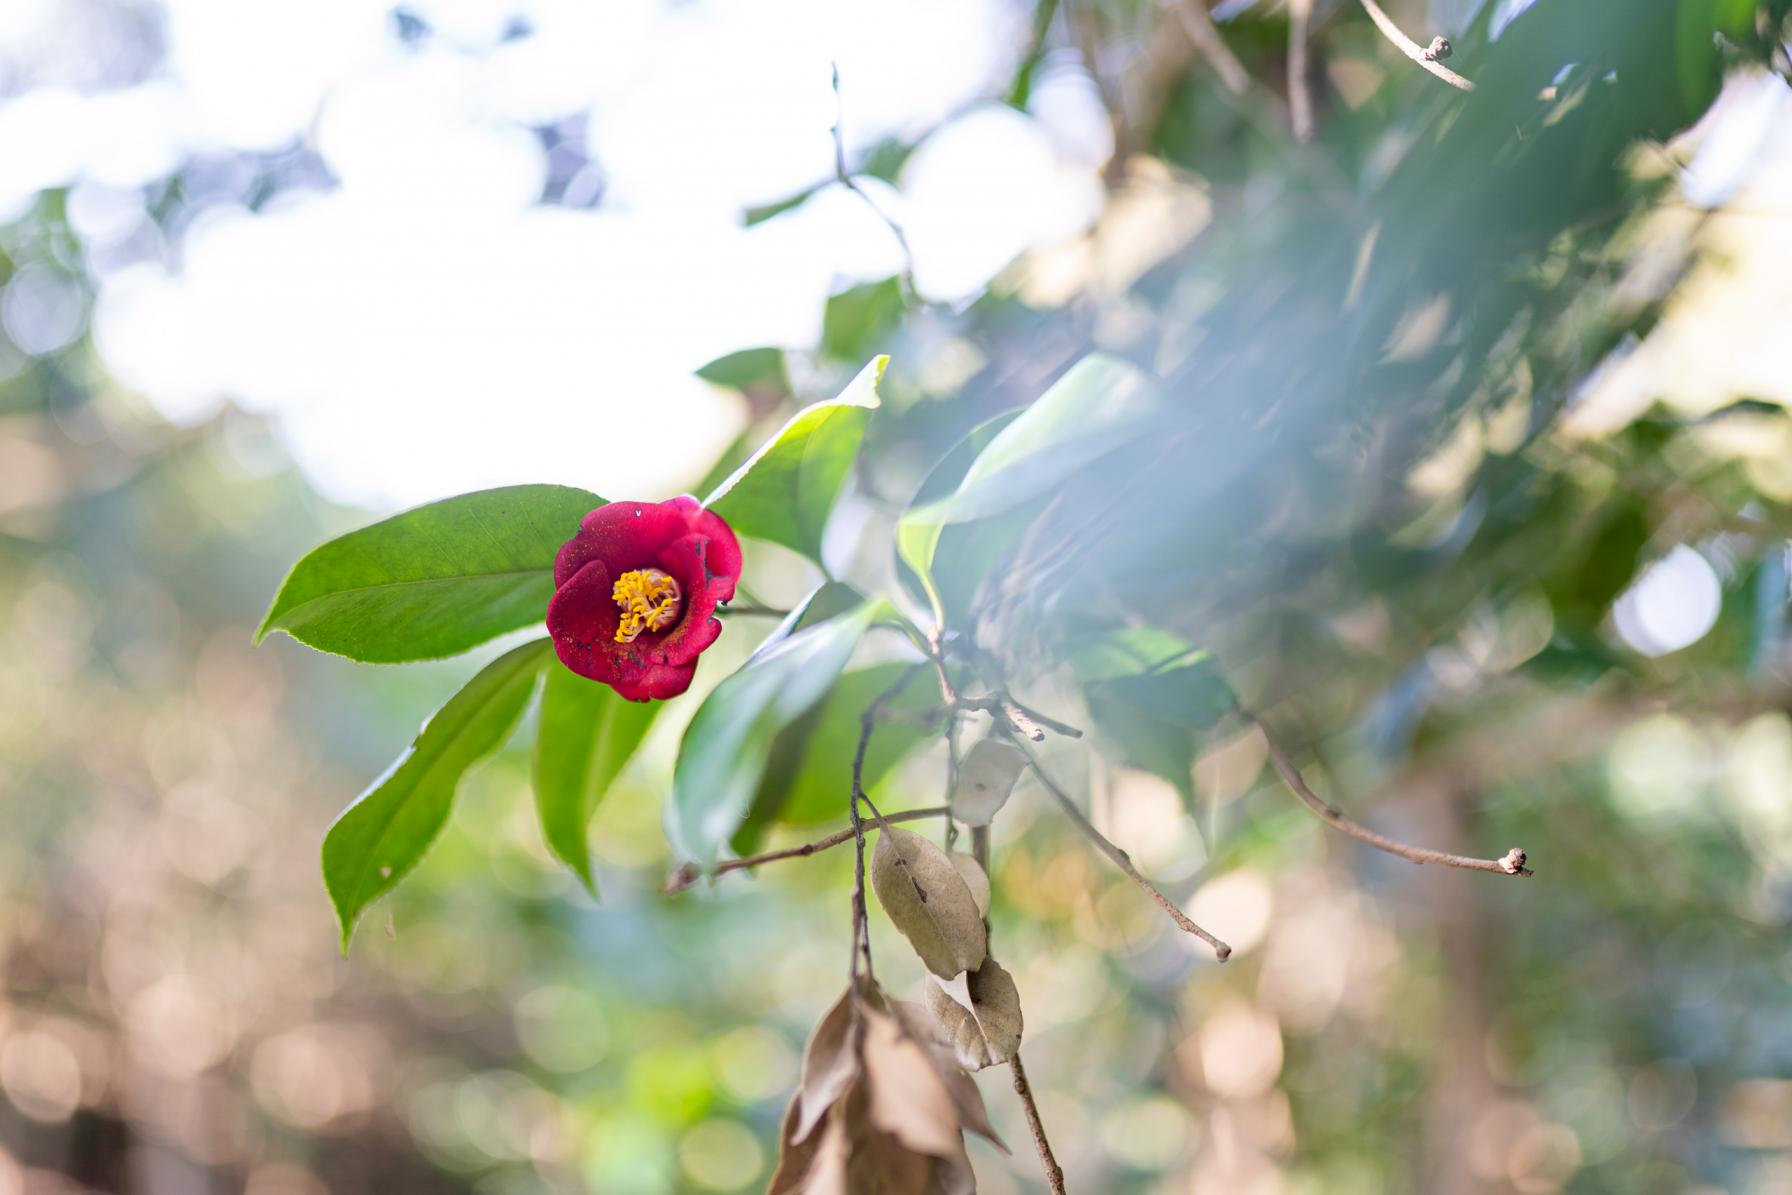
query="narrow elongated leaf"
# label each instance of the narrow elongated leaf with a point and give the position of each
(377, 840)
(724, 751)
(928, 900)
(785, 491)
(587, 735)
(433, 581)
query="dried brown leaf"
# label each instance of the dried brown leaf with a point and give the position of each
(829, 1065)
(986, 776)
(951, 1176)
(796, 1160)
(928, 900)
(909, 1098)
(919, 1023)
(971, 872)
(988, 1032)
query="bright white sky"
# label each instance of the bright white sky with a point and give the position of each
(427, 327)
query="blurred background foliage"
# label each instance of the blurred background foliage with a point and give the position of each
(1480, 490)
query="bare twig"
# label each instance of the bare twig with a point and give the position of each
(1511, 863)
(689, 874)
(1425, 57)
(1197, 22)
(1054, 1173)
(1028, 723)
(1300, 90)
(1085, 30)
(845, 179)
(861, 920)
(1121, 859)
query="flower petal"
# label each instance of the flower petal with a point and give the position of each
(625, 535)
(658, 683)
(723, 558)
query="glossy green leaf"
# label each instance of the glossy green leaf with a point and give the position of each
(785, 491)
(917, 540)
(1127, 651)
(1148, 690)
(859, 320)
(761, 371)
(808, 775)
(587, 735)
(1191, 695)
(380, 838)
(1100, 404)
(727, 746)
(433, 581)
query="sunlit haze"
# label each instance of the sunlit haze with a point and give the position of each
(384, 314)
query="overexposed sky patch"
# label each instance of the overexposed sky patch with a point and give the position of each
(425, 325)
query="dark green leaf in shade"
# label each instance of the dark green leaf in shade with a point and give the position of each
(1100, 404)
(433, 581)
(808, 776)
(380, 838)
(1148, 690)
(729, 742)
(1193, 695)
(587, 735)
(859, 320)
(785, 491)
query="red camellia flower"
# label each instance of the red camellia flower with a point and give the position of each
(635, 594)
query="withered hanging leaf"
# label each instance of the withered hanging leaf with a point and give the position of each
(951, 1176)
(796, 1160)
(928, 900)
(909, 1098)
(988, 1032)
(965, 1096)
(829, 1065)
(882, 1107)
(986, 776)
(972, 873)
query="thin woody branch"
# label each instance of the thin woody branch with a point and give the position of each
(1511, 863)
(1426, 56)
(1300, 89)
(1028, 723)
(1121, 859)
(1198, 24)
(1054, 1173)
(689, 874)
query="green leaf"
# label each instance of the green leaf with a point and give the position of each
(1192, 695)
(1100, 404)
(917, 542)
(380, 838)
(1127, 651)
(856, 321)
(786, 490)
(726, 748)
(1147, 690)
(809, 774)
(587, 735)
(760, 370)
(434, 581)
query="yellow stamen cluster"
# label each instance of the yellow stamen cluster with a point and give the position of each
(648, 600)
